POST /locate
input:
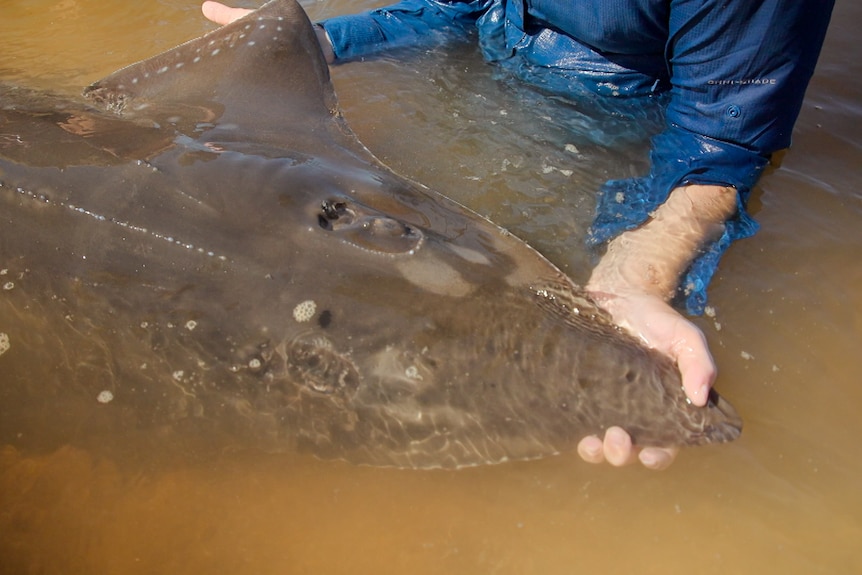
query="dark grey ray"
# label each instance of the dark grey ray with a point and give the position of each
(218, 252)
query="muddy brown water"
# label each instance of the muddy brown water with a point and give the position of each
(787, 335)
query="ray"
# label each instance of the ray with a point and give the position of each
(201, 247)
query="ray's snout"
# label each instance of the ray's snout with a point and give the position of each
(723, 423)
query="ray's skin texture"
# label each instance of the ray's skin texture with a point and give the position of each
(636, 303)
(220, 251)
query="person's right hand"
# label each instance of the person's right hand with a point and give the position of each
(659, 326)
(221, 14)
(634, 280)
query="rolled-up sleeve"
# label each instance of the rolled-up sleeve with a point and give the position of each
(738, 73)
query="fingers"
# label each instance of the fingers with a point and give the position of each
(657, 458)
(617, 449)
(591, 449)
(221, 14)
(658, 325)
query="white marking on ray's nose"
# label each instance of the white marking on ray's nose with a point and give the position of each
(434, 275)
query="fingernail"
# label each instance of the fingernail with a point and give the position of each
(617, 444)
(701, 395)
(649, 459)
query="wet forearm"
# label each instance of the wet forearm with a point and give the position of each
(651, 258)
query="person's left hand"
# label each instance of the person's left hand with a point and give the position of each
(221, 14)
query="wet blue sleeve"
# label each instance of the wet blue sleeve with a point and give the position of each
(739, 70)
(738, 73)
(405, 23)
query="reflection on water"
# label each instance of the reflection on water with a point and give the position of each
(782, 499)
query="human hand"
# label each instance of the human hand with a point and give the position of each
(221, 14)
(661, 327)
(633, 282)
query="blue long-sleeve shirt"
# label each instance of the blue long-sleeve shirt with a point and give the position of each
(735, 71)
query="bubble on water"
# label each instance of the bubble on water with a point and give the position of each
(304, 311)
(8, 286)
(178, 375)
(105, 396)
(254, 363)
(191, 325)
(4, 343)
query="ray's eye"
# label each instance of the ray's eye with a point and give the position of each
(368, 229)
(332, 211)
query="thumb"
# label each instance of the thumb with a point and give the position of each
(695, 363)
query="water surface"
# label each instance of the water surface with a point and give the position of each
(787, 335)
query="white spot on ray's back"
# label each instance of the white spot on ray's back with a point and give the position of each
(304, 310)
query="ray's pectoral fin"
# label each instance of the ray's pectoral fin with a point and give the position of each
(260, 74)
(45, 130)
